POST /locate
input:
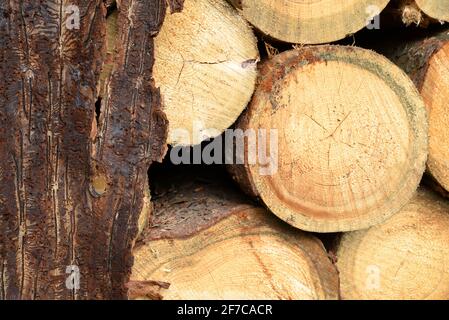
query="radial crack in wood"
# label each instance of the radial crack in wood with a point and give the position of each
(345, 138)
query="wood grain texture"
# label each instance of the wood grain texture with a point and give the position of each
(206, 241)
(437, 9)
(426, 60)
(205, 65)
(71, 195)
(352, 138)
(405, 257)
(309, 22)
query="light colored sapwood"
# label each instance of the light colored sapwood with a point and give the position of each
(352, 138)
(309, 21)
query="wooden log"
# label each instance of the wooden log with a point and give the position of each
(71, 195)
(206, 69)
(351, 133)
(108, 63)
(405, 257)
(207, 242)
(426, 61)
(309, 22)
(437, 9)
(420, 13)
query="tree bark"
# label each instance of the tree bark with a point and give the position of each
(47, 111)
(402, 258)
(425, 60)
(207, 242)
(341, 138)
(71, 195)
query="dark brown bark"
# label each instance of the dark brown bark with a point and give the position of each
(67, 196)
(47, 94)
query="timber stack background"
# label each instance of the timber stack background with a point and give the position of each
(118, 179)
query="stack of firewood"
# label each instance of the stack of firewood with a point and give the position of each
(303, 149)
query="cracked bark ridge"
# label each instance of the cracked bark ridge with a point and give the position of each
(132, 133)
(49, 70)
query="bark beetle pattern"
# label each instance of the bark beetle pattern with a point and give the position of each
(414, 58)
(54, 228)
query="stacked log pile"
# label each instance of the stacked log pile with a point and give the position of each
(287, 137)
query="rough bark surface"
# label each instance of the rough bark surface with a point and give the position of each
(207, 241)
(67, 196)
(49, 73)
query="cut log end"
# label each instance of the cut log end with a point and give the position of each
(205, 65)
(426, 61)
(436, 95)
(310, 22)
(230, 250)
(352, 133)
(409, 263)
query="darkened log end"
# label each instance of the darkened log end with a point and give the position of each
(179, 193)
